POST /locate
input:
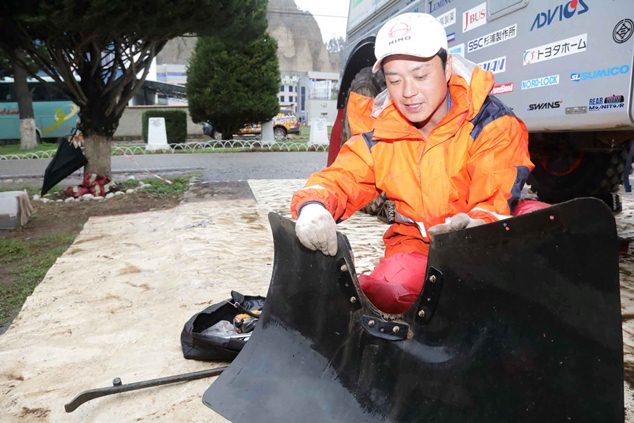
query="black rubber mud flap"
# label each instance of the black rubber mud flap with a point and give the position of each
(518, 321)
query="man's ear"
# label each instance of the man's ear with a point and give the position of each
(448, 68)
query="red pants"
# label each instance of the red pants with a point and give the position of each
(395, 283)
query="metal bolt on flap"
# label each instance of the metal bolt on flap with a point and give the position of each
(353, 300)
(421, 313)
(433, 279)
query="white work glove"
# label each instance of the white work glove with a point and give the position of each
(316, 229)
(455, 223)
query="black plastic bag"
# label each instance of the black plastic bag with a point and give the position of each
(200, 343)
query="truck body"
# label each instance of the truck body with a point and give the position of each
(564, 67)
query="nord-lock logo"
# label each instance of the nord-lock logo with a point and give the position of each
(560, 13)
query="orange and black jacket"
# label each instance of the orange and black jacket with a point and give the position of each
(475, 161)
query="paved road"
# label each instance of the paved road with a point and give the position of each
(213, 167)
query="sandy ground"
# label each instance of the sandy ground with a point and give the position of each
(114, 305)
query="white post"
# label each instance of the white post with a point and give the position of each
(318, 132)
(268, 137)
(157, 135)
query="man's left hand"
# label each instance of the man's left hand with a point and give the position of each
(455, 223)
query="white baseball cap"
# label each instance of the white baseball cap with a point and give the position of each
(414, 34)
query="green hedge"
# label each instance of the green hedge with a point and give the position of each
(175, 124)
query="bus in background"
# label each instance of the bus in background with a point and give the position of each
(55, 115)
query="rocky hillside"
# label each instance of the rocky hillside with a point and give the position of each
(300, 45)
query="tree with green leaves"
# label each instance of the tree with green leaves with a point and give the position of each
(231, 83)
(99, 53)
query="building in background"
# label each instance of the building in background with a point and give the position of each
(309, 75)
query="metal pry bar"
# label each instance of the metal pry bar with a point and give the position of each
(117, 387)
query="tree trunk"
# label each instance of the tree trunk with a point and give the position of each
(98, 149)
(28, 134)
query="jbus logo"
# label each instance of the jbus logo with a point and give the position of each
(559, 13)
(544, 106)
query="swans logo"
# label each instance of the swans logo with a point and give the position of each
(559, 13)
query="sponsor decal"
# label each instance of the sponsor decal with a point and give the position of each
(6, 111)
(543, 81)
(474, 17)
(545, 106)
(502, 88)
(398, 30)
(437, 4)
(457, 50)
(623, 31)
(451, 37)
(447, 19)
(493, 38)
(576, 110)
(600, 73)
(559, 13)
(497, 65)
(606, 103)
(561, 48)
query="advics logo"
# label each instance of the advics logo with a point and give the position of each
(547, 105)
(560, 12)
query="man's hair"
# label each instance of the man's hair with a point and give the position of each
(442, 53)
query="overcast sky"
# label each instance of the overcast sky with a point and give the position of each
(330, 15)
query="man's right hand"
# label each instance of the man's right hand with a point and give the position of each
(316, 229)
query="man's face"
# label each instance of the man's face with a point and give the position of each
(418, 87)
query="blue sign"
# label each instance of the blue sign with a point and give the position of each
(600, 73)
(543, 81)
(559, 13)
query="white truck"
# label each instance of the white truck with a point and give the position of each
(563, 66)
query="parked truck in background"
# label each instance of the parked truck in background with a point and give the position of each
(563, 66)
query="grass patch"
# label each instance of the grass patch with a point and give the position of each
(33, 257)
(15, 148)
(160, 188)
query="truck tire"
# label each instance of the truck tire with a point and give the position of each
(279, 132)
(590, 174)
(368, 84)
(365, 83)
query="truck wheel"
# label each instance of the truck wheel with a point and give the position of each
(368, 84)
(279, 133)
(364, 83)
(562, 177)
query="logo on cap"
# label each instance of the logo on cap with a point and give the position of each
(399, 29)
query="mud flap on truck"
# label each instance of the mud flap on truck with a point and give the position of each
(518, 321)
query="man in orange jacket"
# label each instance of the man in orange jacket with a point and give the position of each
(449, 156)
